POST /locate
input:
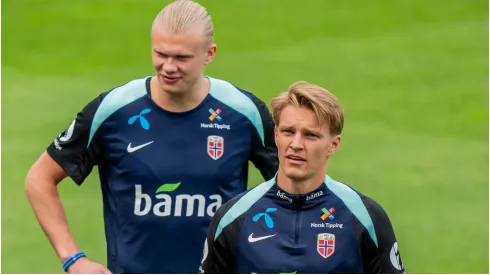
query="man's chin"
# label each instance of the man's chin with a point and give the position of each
(173, 89)
(295, 174)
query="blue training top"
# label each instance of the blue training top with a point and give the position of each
(164, 174)
(333, 229)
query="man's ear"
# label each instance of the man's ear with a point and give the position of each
(275, 135)
(334, 145)
(210, 54)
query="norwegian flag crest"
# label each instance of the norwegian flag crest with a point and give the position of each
(325, 244)
(215, 147)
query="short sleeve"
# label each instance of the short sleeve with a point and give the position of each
(71, 149)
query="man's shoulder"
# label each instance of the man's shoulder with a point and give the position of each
(243, 202)
(242, 102)
(371, 204)
(231, 212)
(133, 87)
(113, 100)
(220, 86)
(355, 200)
(223, 209)
(122, 95)
(375, 210)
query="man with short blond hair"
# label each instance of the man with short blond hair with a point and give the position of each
(302, 221)
(170, 150)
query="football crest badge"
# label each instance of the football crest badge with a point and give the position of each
(325, 244)
(216, 147)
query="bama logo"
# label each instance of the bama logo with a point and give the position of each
(283, 196)
(163, 205)
(314, 195)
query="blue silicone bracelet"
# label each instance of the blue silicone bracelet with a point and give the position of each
(72, 259)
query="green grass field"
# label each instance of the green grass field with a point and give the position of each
(412, 77)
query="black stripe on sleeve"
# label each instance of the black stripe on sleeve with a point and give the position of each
(384, 258)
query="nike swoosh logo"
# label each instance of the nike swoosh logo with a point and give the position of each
(252, 239)
(136, 148)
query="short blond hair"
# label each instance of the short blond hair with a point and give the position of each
(183, 16)
(302, 94)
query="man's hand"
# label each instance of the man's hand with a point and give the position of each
(85, 266)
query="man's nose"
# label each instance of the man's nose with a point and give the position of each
(297, 142)
(169, 66)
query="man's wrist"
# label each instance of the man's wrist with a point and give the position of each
(64, 253)
(72, 259)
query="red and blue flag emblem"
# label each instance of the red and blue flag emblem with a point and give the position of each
(216, 147)
(325, 244)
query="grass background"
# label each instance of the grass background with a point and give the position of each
(412, 77)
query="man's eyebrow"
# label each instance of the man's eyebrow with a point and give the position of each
(176, 55)
(312, 131)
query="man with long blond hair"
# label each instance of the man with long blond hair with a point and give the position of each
(302, 221)
(170, 150)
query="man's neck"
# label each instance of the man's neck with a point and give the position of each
(182, 101)
(299, 187)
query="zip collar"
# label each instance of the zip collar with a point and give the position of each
(295, 201)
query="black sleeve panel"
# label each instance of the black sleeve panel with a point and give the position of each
(70, 148)
(264, 155)
(218, 255)
(384, 258)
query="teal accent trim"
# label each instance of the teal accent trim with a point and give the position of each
(243, 204)
(233, 98)
(115, 100)
(354, 203)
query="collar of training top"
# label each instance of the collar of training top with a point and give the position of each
(289, 200)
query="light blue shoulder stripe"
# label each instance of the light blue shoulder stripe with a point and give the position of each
(231, 96)
(243, 204)
(116, 99)
(354, 203)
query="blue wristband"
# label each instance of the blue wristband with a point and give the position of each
(72, 259)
